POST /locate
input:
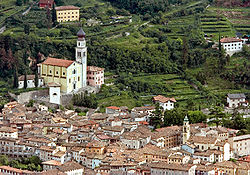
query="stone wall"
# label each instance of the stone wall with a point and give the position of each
(25, 97)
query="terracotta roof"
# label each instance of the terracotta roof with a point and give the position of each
(70, 166)
(229, 40)
(202, 139)
(15, 170)
(29, 77)
(57, 62)
(69, 7)
(163, 99)
(52, 172)
(113, 107)
(46, 1)
(52, 162)
(7, 129)
(174, 166)
(94, 68)
(53, 84)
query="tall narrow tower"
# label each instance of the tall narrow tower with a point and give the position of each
(81, 55)
(186, 130)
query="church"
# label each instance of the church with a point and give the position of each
(71, 75)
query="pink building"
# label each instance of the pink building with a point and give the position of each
(95, 76)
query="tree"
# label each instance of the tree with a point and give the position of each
(3, 160)
(26, 28)
(15, 82)
(54, 21)
(25, 80)
(36, 78)
(19, 2)
(49, 18)
(174, 117)
(156, 118)
(197, 117)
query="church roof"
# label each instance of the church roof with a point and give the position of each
(57, 62)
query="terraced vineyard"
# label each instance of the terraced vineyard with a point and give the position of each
(8, 8)
(212, 25)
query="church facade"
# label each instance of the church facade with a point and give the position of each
(71, 75)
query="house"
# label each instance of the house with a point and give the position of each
(113, 131)
(136, 139)
(95, 147)
(231, 45)
(113, 110)
(67, 13)
(51, 164)
(30, 81)
(95, 76)
(240, 144)
(165, 102)
(165, 168)
(14, 171)
(8, 132)
(72, 168)
(46, 3)
(235, 100)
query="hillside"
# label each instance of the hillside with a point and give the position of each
(163, 53)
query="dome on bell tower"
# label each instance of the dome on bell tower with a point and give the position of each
(81, 33)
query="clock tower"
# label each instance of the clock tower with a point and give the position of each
(81, 55)
(186, 130)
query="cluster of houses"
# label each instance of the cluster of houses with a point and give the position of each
(118, 141)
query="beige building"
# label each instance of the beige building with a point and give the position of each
(67, 13)
(8, 132)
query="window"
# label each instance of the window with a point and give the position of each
(50, 71)
(78, 78)
(56, 72)
(79, 54)
(74, 71)
(69, 80)
(63, 73)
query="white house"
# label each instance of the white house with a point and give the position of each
(165, 102)
(241, 144)
(235, 100)
(231, 45)
(30, 81)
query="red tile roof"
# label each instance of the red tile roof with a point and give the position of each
(94, 68)
(229, 40)
(113, 107)
(69, 7)
(46, 2)
(163, 99)
(57, 62)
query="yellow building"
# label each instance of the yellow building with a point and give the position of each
(70, 75)
(65, 72)
(67, 13)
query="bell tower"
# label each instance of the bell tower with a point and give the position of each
(186, 130)
(81, 55)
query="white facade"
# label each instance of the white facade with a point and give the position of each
(235, 100)
(167, 105)
(74, 77)
(75, 172)
(241, 145)
(8, 132)
(233, 46)
(30, 83)
(81, 55)
(54, 95)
